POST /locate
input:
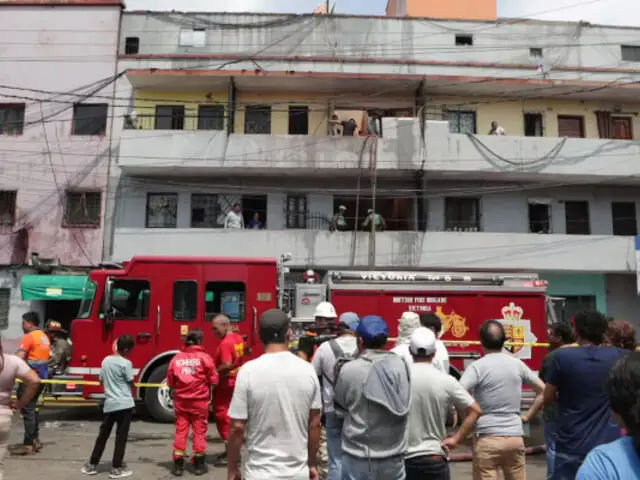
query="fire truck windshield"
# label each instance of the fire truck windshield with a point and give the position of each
(87, 299)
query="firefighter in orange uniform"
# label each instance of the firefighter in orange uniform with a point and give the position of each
(228, 358)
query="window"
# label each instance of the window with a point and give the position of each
(577, 217)
(225, 297)
(131, 45)
(535, 53)
(90, 118)
(296, 211)
(130, 299)
(162, 210)
(572, 127)
(630, 53)
(533, 125)
(83, 209)
(572, 304)
(196, 37)
(624, 218)
(12, 119)
(622, 128)
(89, 293)
(5, 304)
(253, 205)
(298, 120)
(185, 300)
(169, 117)
(539, 216)
(257, 119)
(211, 117)
(461, 122)
(7, 207)
(462, 214)
(464, 40)
(205, 210)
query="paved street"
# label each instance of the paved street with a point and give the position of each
(68, 437)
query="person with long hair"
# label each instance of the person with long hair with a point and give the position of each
(619, 460)
(621, 334)
(13, 368)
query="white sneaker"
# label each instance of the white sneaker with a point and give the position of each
(122, 472)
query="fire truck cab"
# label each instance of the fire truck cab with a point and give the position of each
(157, 300)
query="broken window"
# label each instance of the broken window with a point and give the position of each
(462, 214)
(83, 209)
(539, 216)
(532, 124)
(211, 117)
(8, 207)
(624, 218)
(297, 211)
(535, 53)
(12, 118)
(205, 210)
(464, 40)
(257, 119)
(90, 118)
(162, 210)
(131, 45)
(298, 120)
(576, 214)
(169, 117)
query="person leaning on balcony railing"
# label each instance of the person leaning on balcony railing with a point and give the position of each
(496, 129)
(339, 222)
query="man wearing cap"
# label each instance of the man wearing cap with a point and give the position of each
(441, 358)
(432, 394)
(275, 410)
(373, 394)
(338, 222)
(324, 362)
(60, 348)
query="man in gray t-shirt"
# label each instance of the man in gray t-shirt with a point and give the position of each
(495, 381)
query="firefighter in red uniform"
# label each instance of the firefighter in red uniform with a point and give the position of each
(228, 357)
(191, 375)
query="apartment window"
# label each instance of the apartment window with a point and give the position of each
(299, 120)
(12, 119)
(211, 117)
(624, 218)
(185, 300)
(296, 211)
(5, 305)
(630, 53)
(90, 118)
(570, 126)
(535, 53)
(131, 45)
(169, 117)
(577, 217)
(622, 128)
(462, 214)
(8, 207)
(196, 37)
(464, 40)
(533, 125)
(461, 122)
(82, 209)
(539, 216)
(162, 210)
(205, 210)
(257, 119)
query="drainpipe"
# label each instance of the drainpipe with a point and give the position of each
(231, 107)
(421, 103)
(373, 161)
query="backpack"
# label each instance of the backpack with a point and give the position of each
(341, 359)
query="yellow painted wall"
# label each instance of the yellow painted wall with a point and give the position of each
(280, 103)
(510, 115)
(146, 100)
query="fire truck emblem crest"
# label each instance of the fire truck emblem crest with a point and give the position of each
(453, 322)
(518, 330)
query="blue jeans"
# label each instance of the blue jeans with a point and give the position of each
(333, 426)
(566, 466)
(550, 435)
(372, 469)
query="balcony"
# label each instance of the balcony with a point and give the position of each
(397, 250)
(398, 151)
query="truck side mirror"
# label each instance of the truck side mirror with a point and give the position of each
(107, 302)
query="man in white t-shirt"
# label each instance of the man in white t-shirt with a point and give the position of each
(433, 323)
(324, 362)
(234, 218)
(275, 410)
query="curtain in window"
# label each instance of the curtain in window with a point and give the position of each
(605, 124)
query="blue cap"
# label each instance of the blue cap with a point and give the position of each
(372, 326)
(350, 319)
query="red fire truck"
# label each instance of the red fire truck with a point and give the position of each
(157, 300)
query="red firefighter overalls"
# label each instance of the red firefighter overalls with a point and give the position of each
(230, 350)
(191, 375)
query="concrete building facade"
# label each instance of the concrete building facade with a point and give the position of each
(56, 144)
(227, 108)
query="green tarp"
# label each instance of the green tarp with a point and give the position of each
(53, 287)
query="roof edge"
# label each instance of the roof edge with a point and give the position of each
(62, 3)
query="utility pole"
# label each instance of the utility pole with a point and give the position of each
(327, 5)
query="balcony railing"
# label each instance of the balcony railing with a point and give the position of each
(175, 122)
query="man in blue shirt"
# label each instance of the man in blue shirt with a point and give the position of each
(576, 377)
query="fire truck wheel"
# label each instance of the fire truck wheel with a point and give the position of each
(158, 401)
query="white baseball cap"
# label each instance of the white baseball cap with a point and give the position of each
(423, 342)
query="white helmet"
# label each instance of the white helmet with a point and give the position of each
(325, 310)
